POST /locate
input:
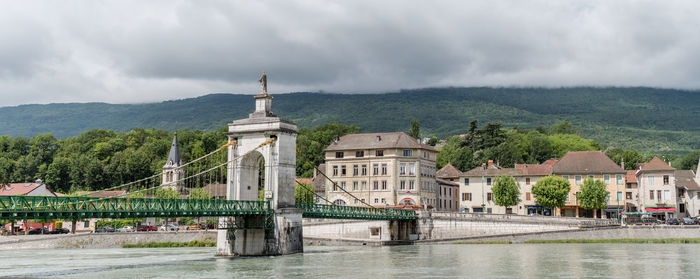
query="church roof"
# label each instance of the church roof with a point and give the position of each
(174, 156)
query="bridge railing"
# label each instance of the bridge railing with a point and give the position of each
(312, 210)
(24, 207)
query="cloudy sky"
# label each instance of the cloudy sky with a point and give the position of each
(144, 51)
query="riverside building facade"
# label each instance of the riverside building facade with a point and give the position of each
(381, 169)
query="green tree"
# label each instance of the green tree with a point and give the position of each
(593, 194)
(433, 141)
(414, 132)
(562, 127)
(302, 193)
(167, 193)
(506, 191)
(199, 194)
(551, 191)
(312, 142)
(58, 175)
(563, 143)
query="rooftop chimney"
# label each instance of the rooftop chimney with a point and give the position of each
(379, 138)
(39, 182)
(622, 163)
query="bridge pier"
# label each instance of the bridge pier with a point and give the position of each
(403, 230)
(262, 139)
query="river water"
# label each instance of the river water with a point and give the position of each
(417, 261)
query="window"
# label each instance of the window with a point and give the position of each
(375, 185)
(383, 200)
(342, 185)
(665, 179)
(466, 210)
(527, 196)
(464, 196)
(402, 185)
(362, 200)
(650, 180)
(577, 180)
(565, 177)
(568, 198)
(364, 185)
(411, 185)
(364, 169)
(466, 181)
(383, 184)
(402, 169)
(376, 200)
(628, 195)
(606, 179)
(383, 169)
(619, 196)
(667, 195)
(411, 169)
(651, 195)
(658, 195)
(356, 200)
(488, 181)
(354, 185)
(527, 181)
(343, 171)
(469, 196)
(375, 169)
(335, 170)
(355, 170)
(489, 210)
(379, 153)
(339, 154)
(359, 154)
(489, 196)
(407, 153)
(619, 179)
(86, 224)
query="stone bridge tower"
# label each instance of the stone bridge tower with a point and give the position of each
(279, 165)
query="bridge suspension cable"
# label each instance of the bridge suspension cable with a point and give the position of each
(335, 186)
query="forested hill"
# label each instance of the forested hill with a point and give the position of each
(646, 119)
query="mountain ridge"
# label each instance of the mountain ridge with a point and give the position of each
(640, 117)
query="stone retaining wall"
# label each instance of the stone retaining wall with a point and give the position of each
(99, 240)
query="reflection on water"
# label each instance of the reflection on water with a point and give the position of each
(420, 261)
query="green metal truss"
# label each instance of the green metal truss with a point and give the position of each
(76, 208)
(354, 212)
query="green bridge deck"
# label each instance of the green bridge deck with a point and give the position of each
(75, 208)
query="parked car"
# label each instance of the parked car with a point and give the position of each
(673, 221)
(60, 231)
(169, 227)
(689, 221)
(39, 231)
(104, 230)
(148, 228)
(195, 227)
(126, 229)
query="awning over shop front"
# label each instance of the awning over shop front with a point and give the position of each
(661, 209)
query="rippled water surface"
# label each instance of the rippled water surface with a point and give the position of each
(420, 261)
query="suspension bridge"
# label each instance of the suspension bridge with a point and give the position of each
(248, 223)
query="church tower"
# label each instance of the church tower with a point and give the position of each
(172, 172)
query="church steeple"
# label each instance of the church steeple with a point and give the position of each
(172, 171)
(174, 156)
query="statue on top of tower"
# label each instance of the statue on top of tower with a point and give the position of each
(263, 83)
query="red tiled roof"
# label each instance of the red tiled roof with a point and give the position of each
(543, 169)
(305, 180)
(654, 165)
(448, 171)
(18, 189)
(631, 176)
(586, 162)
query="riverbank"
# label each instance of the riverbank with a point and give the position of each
(100, 240)
(596, 241)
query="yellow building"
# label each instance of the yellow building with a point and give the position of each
(381, 169)
(579, 165)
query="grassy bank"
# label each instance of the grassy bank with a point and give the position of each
(483, 242)
(619, 240)
(193, 243)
